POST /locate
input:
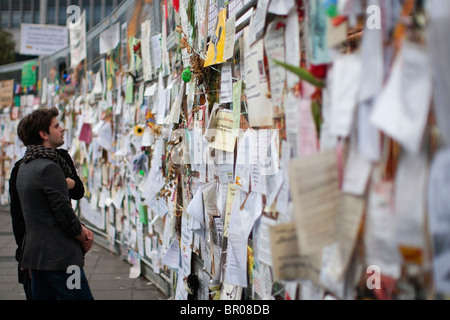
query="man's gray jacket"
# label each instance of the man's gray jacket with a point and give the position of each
(51, 224)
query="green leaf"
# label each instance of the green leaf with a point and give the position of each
(316, 112)
(302, 74)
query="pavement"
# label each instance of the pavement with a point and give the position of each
(108, 273)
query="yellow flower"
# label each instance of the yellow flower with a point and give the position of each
(138, 130)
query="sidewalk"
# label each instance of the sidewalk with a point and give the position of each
(107, 273)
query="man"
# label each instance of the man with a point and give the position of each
(76, 192)
(54, 238)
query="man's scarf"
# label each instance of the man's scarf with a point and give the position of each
(39, 151)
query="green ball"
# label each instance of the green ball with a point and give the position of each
(186, 75)
(332, 11)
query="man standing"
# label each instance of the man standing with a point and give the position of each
(76, 192)
(54, 238)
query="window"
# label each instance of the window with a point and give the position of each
(87, 8)
(97, 11)
(27, 13)
(4, 13)
(109, 10)
(27, 17)
(4, 19)
(62, 15)
(51, 16)
(16, 19)
(27, 5)
(51, 12)
(4, 5)
(16, 5)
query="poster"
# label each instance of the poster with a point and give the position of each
(29, 73)
(217, 43)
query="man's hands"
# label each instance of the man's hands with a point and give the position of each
(70, 183)
(87, 245)
(86, 238)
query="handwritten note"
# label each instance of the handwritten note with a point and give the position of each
(316, 196)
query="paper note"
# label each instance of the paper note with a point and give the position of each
(231, 191)
(317, 28)
(258, 21)
(237, 90)
(438, 216)
(156, 52)
(260, 111)
(347, 72)
(230, 292)
(281, 7)
(172, 256)
(129, 91)
(230, 28)
(379, 236)
(77, 40)
(143, 217)
(307, 131)
(292, 43)
(401, 110)
(226, 84)
(210, 199)
(241, 224)
(145, 50)
(410, 202)
(336, 34)
(86, 133)
(316, 195)
(261, 239)
(175, 110)
(285, 253)
(274, 46)
(195, 207)
(236, 259)
(349, 222)
(243, 159)
(109, 39)
(439, 52)
(288, 264)
(357, 174)
(372, 57)
(185, 249)
(223, 132)
(368, 136)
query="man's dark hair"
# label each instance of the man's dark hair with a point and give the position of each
(30, 126)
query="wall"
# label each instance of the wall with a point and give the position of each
(250, 180)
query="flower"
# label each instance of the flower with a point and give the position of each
(138, 130)
(179, 29)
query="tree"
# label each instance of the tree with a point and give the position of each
(7, 45)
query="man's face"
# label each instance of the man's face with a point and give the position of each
(55, 137)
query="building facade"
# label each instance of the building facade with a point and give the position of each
(51, 12)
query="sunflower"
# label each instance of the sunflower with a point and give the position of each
(138, 130)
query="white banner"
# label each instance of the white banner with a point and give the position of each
(77, 35)
(42, 39)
